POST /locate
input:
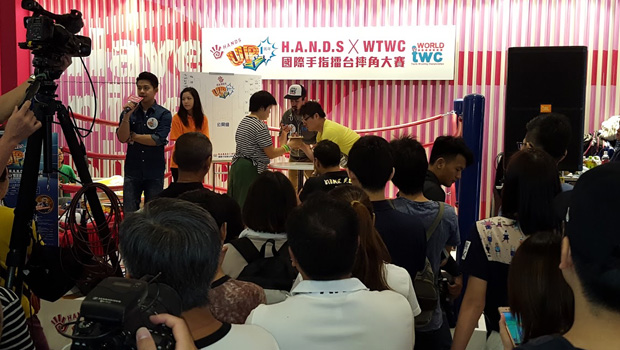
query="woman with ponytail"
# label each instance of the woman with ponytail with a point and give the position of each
(372, 264)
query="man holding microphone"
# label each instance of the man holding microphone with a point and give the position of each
(144, 126)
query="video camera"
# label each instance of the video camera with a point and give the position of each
(52, 38)
(113, 311)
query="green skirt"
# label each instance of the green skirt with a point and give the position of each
(240, 176)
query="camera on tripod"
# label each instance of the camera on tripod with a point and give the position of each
(112, 313)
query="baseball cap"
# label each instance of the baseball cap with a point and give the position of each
(295, 91)
(590, 218)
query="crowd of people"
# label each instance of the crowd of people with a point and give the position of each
(338, 265)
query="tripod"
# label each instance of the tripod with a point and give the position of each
(45, 107)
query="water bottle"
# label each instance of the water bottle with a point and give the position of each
(605, 158)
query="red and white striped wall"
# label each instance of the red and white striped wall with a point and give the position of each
(163, 36)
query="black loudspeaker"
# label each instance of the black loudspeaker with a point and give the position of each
(546, 77)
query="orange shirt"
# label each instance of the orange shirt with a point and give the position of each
(178, 128)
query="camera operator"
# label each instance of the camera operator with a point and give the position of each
(180, 242)
(22, 123)
(182, 336)
(12, 99)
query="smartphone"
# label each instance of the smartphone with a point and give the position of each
(514, 328)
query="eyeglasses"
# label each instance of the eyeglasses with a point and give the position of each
(306, 117)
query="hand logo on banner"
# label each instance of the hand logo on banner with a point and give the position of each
(217, 52)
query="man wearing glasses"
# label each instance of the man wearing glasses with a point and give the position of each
(314, 119)
(550, 132)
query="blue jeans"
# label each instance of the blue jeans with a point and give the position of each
(133, 188)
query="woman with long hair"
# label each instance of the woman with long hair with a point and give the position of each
(372, 263)
(531, 184)
(538, 296)
(189, 118)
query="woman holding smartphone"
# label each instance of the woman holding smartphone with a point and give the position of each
(532, 182)
(541, 302)
(190, 118)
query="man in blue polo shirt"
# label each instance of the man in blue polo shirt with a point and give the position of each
(144, 127)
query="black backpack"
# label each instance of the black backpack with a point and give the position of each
(275, 272)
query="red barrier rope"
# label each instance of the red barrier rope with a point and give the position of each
(94, 155)
(406, 125)
(388, 128)
(97, 121)
(272, 128)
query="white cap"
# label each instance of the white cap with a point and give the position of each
(295, 91)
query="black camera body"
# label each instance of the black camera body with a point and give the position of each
(52, 39)
(42, 33)
(113, 311)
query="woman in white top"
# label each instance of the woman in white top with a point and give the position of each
(270, 200)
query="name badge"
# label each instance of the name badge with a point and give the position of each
(152, 123)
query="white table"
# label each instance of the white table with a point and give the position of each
(299, 166)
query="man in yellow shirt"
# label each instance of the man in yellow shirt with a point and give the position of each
(314, 119)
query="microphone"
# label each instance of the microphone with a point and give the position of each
(134, 99)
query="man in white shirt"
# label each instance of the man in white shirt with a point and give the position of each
(180, 242)
(329, 309)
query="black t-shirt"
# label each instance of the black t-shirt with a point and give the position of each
(178, 188)
(403, 234)
(229, 211)
(324, 182)
(432, 188)
(476, 263)
(548, 342)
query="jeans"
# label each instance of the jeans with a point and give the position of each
(133, 188)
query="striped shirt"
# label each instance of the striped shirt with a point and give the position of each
(15, 333)
(252, 136)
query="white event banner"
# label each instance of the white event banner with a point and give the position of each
(354, 53)
(225, 101)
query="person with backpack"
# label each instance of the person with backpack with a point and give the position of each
(330, 309)
(370, 167)
(442, 233)
(260, 255)
(530, 187)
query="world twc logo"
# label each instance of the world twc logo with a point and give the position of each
(427, 53)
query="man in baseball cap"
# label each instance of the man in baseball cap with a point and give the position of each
(297, 96)
(590, 263)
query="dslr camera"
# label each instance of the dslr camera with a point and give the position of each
(113, 311)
